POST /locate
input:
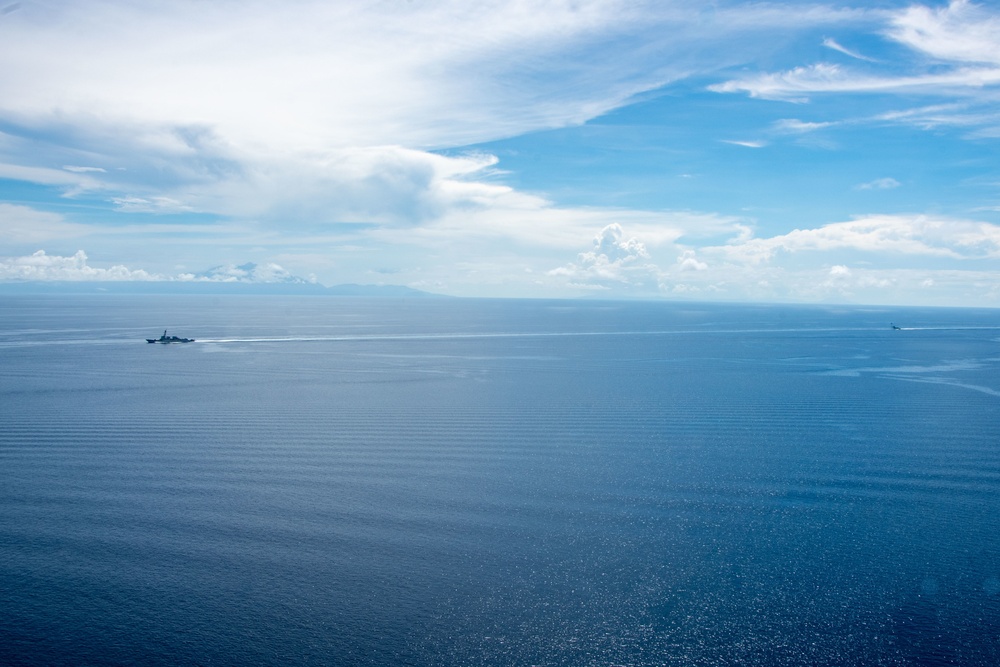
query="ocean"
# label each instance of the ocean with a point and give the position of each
(352, 481)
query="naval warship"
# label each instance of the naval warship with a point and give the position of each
(169, 339)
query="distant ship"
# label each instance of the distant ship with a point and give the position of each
(169, 339)
(894, 328)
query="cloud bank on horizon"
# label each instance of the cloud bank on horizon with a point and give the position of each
(737, 151)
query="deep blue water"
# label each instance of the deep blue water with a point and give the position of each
(459, 482)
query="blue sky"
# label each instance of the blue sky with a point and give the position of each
(736, 151)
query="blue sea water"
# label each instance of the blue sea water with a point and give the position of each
(348, 481)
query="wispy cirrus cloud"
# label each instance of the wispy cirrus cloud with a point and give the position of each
(955, 114)
(748, 143)
(836, 46)
(83, 170)
(23, 225)
(797, 84)
(150, 205)
(795, 126)
(963, 34)
(887, 183)
(70, 181)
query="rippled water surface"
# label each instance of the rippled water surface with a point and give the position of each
(448, 482)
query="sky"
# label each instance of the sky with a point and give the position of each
(716, 150)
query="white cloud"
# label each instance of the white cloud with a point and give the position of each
(880, 184)
(898, 235)
(533, 224)
(150, 205)
(831, 43)
(838, 284)
(611, 245)
(74, 182)
(615, 259)
(961, 31)
(312, 126)
(246, 273)
(42, 267)
(24, 225)
(689, 262)
(83, 170)
(385, 185)
(962, 34)
(936, 115)
(420, 74)
(795, 126)
(796, 84)
(320, 111)
(314, 111)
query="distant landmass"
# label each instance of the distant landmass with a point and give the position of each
(208, 287)
(248, 278)
(352, 289)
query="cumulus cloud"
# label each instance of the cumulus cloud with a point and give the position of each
(534, 223)
(788, 273)
(42, 267)
(688, 261)
(889, 234)
(613, 259)
(610, 245)
(247, 273)
(766, 268)
(842, 283)
(839, 284)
